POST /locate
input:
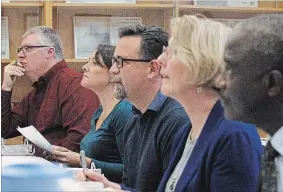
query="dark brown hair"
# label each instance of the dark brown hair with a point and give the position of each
(106, 52)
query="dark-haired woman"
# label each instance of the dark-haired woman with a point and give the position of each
(103, 144)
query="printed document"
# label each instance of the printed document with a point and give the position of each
(32, 134)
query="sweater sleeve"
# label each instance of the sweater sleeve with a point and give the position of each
(112, 171)
(11, 119)
(236, 165)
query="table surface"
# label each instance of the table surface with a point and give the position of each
(9, 160)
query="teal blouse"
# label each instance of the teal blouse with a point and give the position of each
(105, 146)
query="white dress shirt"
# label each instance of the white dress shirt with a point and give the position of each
(277, 144)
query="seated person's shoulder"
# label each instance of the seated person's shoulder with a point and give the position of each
(174, 114)
(123, 111)
(232, 127)
(71, 73)
(173, 117)
(173, 107)
(244, 133)
(125, 106)
(69, 77)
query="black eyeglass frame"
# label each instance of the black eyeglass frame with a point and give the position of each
(19, 49)
(115, 60)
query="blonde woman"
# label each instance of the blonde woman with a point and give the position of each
(213, 154)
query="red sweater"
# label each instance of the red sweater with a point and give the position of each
(58, 106)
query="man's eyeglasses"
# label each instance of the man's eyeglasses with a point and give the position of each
(120, 61)
(28, 48)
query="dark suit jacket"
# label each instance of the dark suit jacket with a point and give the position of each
(226, 157)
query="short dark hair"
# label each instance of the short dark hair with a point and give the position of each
(257, 42)
(153, 39)
(106, 52)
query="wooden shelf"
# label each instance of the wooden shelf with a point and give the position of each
(7, 61)
(20, 5)
(121, 6)
(229, 9)
(76, 60)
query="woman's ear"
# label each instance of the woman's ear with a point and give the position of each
(154, 69)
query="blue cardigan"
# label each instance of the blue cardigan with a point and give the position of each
(226, 157)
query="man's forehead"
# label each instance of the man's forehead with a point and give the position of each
(128, 45)
(30, 39)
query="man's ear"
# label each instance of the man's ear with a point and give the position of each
(50, 52)
(273, 81)
(154, 70)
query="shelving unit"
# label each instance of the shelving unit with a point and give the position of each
(20, 5)
(76, 60)
(6, 61)
(113, 6)
(59, 15)
(230, 9)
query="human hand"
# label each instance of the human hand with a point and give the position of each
(93, 176)
(48, 156)
(65, 156)
(11, 71)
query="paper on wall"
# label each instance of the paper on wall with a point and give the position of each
(229, 3)
(89, 32)
(5, 47)
(242, 3)
(118, 22)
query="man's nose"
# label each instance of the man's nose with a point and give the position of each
(114, 69)
(20, 54)
(84, 67)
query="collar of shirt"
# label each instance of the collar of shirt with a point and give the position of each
(50, 73)
(155, 105)
(277, 141)
(97, 113)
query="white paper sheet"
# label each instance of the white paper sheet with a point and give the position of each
(5, 47)
(32, 134)
(118, 22)
(242, 3)
(229, 3)
(89, 32)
